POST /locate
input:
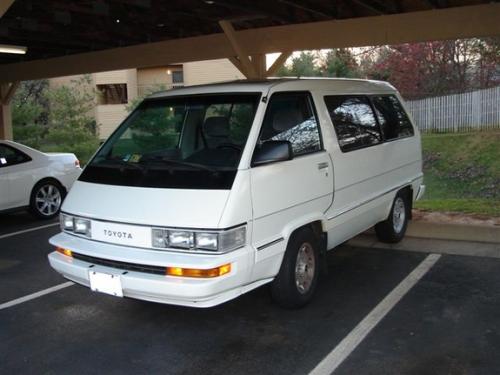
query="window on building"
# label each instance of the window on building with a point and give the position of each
(392, 117)
(115, 93)
(177, 76)
(290, 117)
(354, 121)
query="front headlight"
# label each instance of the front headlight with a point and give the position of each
(182, 239)
(76, 225)
(82, 226)
(66, 222)
(214, 241)
(207, 241)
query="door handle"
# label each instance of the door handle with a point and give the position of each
(322, 165)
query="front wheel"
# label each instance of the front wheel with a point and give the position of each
(393, 229)
(296, 281)
(46, 199)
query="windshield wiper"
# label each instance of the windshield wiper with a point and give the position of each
(124, 164)
(181, 163)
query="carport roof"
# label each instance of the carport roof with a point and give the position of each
(119, 34)
(53, 28)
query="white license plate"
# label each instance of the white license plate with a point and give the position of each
(105, 283)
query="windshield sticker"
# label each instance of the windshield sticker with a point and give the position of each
(134, 158)
(3, 161)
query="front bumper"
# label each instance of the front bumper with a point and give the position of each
(152, 287)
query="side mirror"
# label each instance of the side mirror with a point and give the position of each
(272, 151)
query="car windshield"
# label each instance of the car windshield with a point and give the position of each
(192, 142)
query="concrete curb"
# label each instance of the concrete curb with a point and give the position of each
(427, 245)
(455, 232)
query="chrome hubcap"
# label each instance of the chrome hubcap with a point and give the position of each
(398, 214)
(48, 200)
(305, 268)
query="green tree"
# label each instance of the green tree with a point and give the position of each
(71, 123)
(339, 63)
(304, 65)
(29, 112)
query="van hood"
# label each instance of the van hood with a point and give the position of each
(185, 208)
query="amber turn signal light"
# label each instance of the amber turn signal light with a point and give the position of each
(63, 251)
(200, 273)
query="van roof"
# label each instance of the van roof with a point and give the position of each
(333, 85)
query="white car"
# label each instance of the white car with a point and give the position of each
(35, 180)
(205, 193)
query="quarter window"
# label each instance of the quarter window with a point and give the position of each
(10, 156)
(290, 117)
(392, 117)
(354, 121)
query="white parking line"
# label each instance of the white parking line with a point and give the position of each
(29, 297)
(357, 335)
(27, 230)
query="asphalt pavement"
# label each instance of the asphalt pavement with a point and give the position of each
(447, 322)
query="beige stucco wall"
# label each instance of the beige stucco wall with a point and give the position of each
(109, 116)
(150, 78)
(209, 71)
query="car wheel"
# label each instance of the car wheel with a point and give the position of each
(393, 229)
(296, 281)
(46, 199)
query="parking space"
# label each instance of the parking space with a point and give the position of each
(446, 323)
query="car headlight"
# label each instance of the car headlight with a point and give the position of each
(214, 241)
(182, 239)
(66, 222)
(76, 225)
(207, 241)
(82, 226)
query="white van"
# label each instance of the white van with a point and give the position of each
(205, 193)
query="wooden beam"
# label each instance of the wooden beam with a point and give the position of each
(437, 24)
(234, 60)
(278, 63)
(4, 6)
(8, 91)
(238, 49)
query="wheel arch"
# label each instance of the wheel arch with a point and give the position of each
(49, 179)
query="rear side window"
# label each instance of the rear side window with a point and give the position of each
(10, 156)
(290, 117)
(392, 117)
(354, 121)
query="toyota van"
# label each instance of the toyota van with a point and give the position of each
(204, 193)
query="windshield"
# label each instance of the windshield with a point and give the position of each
(182, 142)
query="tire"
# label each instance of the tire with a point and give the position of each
(46, 199)
(296, 281)
(393, 229)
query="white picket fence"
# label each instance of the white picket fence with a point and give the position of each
(475, 110)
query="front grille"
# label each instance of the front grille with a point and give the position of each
(157, 270)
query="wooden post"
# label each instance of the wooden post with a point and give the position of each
(7, 91)
(259, 64)
(246, 64)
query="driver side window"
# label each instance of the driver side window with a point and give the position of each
(290, 117)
